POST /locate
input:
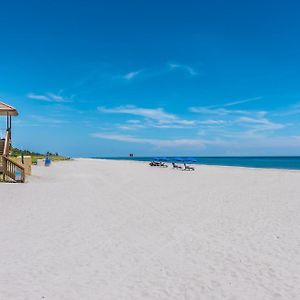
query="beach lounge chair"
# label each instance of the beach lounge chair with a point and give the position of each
(154, 164)
(188, 168)
(158, 162)
(162, 164)
(176, 166)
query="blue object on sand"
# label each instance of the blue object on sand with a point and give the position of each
(18, 175)
(47, 162)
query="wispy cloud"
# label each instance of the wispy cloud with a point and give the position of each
(48, 97)
(215, 125)
(260, 124)
(56, 98)
(236, 123)
(154, 142)
(157, 114)
(212, 122)
(152, 113)
(158, 71)
(38, 97)
(131, 75)
(233, 103)
(130, 125)
(221, 111)
(236, 120)
(290, 111)
(215, 111)
(190, 70)
(133, 121)
(47, 120)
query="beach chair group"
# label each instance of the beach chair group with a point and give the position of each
(161, 163)
(186, 167)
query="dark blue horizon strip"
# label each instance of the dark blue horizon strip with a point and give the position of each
(268, 162)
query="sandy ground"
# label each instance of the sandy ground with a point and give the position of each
(92, 229)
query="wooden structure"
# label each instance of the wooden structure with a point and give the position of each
(9, 169)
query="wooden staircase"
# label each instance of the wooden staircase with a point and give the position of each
(9, 169)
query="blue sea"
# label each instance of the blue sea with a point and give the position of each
(285, 162)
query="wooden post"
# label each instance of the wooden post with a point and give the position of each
(4, 164)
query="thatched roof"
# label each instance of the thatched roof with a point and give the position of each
(7, 110)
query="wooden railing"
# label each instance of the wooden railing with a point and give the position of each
(11, 168)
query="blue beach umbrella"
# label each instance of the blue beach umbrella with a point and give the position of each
(160, 159)
(163, 159)
(179, 159)
(191, 160)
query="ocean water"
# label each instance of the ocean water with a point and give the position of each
(284, 162)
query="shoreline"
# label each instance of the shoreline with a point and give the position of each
(195, 164)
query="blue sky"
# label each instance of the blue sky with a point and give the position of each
(107, 78)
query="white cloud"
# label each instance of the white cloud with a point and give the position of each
(56, 98)
(226, 125)
(169, 125)
(224, 111)
(186, 68)
(155, 114)
(131, 126)
(220, 111)
(49, 97)
(260, 124)
(48, 120)
(154, 142)
(38, 97)
(212, 122)
(252, 120)
(151, 113)
(131, 75)
(242, 101)
(234, 121)
(292, 110)
(154, 72)
(212, 111)
(133, 121)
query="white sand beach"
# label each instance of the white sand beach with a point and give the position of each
(111, 230)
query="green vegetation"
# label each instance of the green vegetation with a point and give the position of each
(15, 152)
